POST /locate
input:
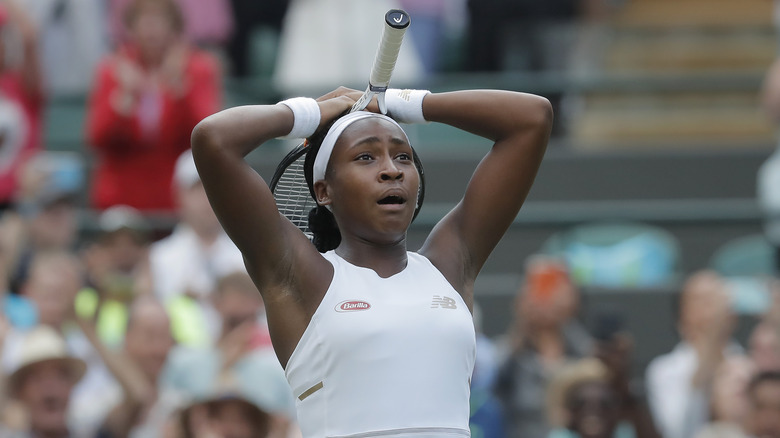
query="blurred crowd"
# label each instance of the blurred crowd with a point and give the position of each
(126, 332)
(552, 376)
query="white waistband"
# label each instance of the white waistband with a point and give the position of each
(416, 432)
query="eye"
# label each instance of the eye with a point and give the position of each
(364, 156)
(404, 156)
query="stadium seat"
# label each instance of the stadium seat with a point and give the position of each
(745, 256)
(617, 255)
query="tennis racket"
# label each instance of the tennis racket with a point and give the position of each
(288, 184)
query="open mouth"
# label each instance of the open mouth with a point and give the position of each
(392, 200)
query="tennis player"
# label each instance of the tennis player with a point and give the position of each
(376, 340)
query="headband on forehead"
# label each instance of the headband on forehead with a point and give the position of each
(326, 149)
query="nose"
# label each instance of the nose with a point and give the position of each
(390, 171)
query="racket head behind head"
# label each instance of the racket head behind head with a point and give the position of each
(291, 191)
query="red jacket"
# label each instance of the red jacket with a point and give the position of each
(136, 167)
(30, 107)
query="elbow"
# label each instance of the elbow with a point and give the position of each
(205, 136)
(542, 115)
(529, 113)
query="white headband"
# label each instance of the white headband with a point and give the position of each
(326, 149)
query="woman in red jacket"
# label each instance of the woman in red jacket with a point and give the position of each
(147, 98)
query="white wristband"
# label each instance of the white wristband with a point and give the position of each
(405, 106)
(307, 116)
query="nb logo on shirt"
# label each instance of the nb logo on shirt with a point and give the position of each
(443, 303)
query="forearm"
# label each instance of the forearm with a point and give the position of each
(135, 385)
(493, 114)
(239, 130)
(120, 420)
(637, 413)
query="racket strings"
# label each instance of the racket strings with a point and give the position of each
(292, 196)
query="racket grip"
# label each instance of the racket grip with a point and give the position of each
(396, 23)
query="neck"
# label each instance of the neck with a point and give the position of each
(385, 260)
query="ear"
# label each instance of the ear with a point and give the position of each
(321, 193)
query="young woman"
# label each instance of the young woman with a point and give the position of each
(375, 339)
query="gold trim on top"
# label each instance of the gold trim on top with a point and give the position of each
(310, 391)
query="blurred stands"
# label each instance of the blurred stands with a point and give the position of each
(709, 55)
(667, 132)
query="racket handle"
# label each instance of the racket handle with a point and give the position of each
(396, 23)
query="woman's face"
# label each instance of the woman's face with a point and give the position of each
(594, 410)
(152, 30)
(371, 182)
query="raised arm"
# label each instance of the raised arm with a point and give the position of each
(280, 259)
(239, 196)
(519, 124)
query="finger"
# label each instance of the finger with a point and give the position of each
(340, 91)
(332, 108)
(373, 106)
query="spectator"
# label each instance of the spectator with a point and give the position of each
(526, 34)
(117, 271)
(185, 266)
(544, 336)
(46, 203)
(764, 348)
(11, 417)
(588, 399)
(147, 98)
(316, 31)
(134, 403)
(763, 419)
(225, 414)
(679, 382)
(55, 278)
(42, 382)
(432, 22)
(208, 23)
(18, 311)
(21, 96)
(768, 177)
(729, 405)
(486, 419)
(72, 39)
(242, 357)
(248, 15)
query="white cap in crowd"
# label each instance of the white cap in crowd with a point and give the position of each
(185, 174)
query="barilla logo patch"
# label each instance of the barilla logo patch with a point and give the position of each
(350, 306)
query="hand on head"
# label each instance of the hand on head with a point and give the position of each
(336, 102)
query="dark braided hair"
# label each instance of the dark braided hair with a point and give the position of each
(322, 223)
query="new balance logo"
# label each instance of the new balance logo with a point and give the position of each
(443, 303)
(405, 94)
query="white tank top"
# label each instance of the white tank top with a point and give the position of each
(385, 356)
